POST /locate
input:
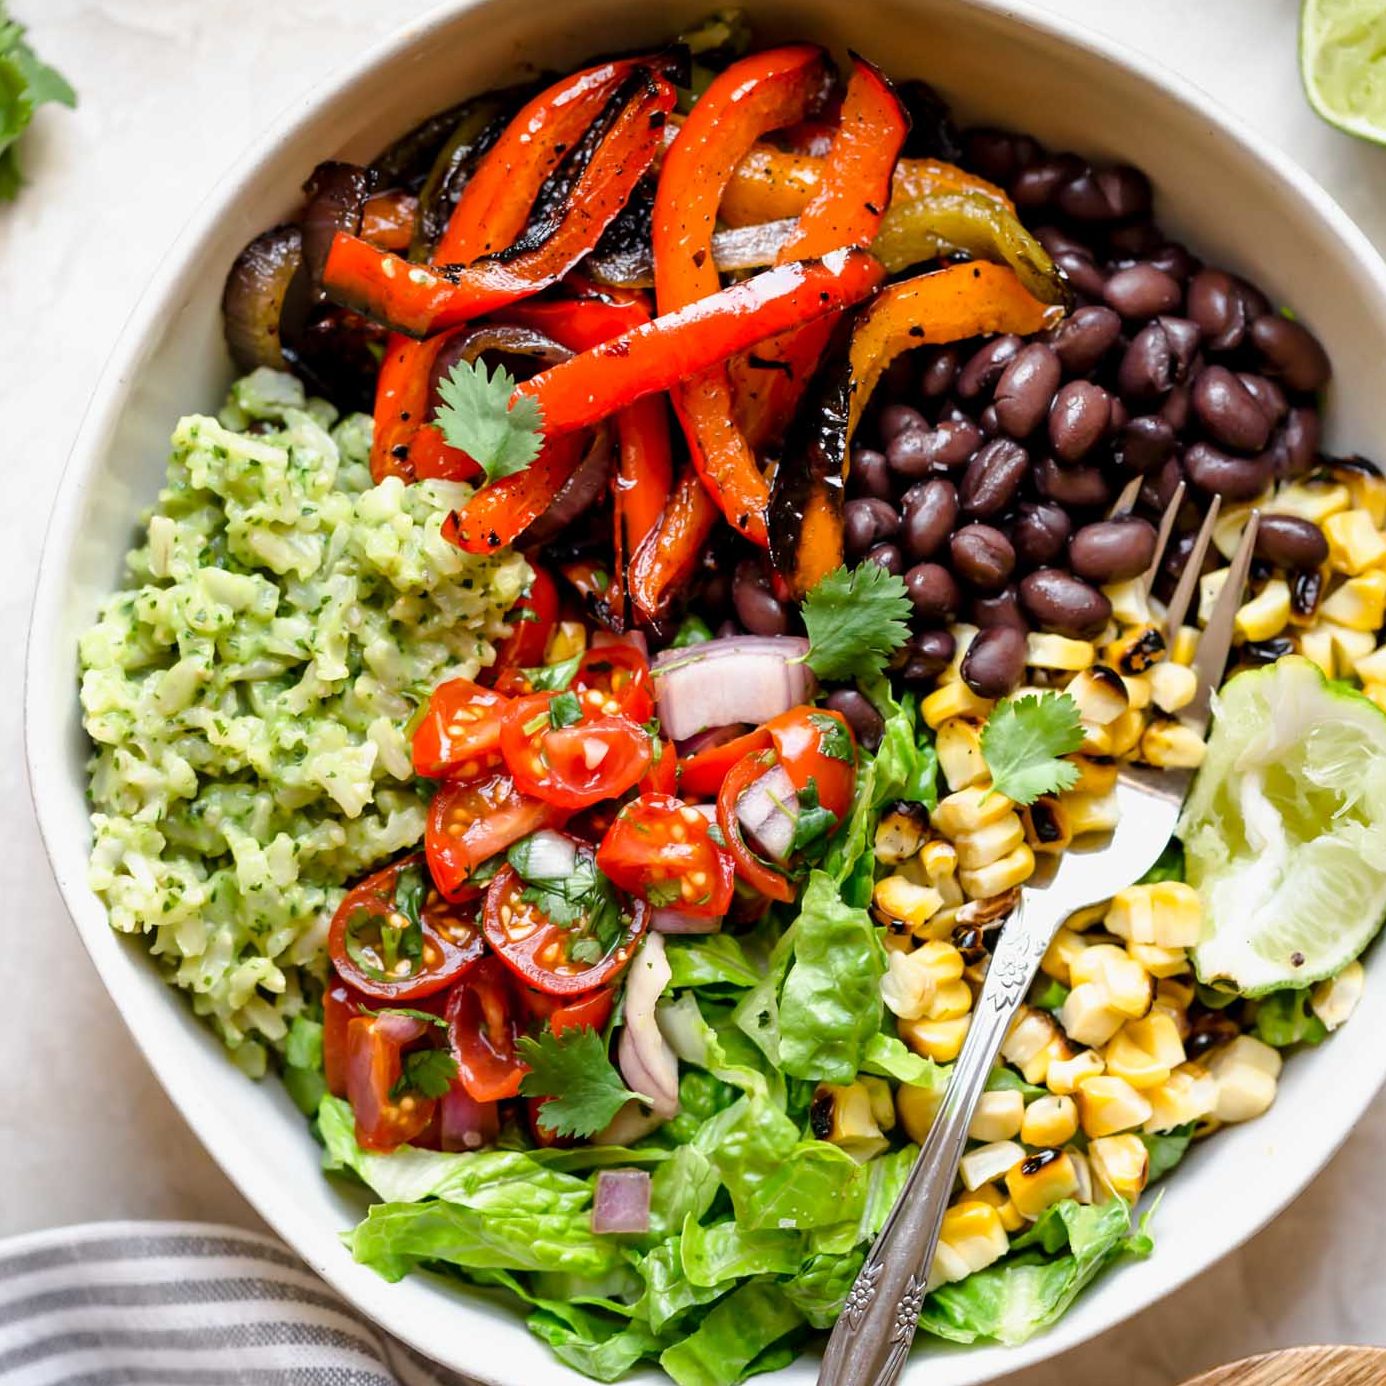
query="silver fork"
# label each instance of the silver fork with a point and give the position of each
(872, 1337)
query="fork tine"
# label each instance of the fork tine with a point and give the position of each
(1188, 579)
(1124, 502)
(1216, 640)
(1147, 579)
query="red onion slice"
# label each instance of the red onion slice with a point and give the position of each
(668, 921)
(740, 678)
(769, 812)
(622, 1201)
(464, 1123)
(648, 1065)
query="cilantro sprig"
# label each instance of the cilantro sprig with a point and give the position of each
(574, 1072)
(428, 1072)
(26, 83)
(477, 415)
(855, 620)
(583, 901)
(1023, 742)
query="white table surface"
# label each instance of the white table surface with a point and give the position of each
(171, 91)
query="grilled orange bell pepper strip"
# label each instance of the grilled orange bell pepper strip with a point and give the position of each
(663, 564)
(404, 443)
(757, 94)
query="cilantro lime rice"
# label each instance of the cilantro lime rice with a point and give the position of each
(249, 689)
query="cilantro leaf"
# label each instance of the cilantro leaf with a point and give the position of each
(477, 416)
(426, 1071)
(26, 83)
(1023, 740)
(833, 740)
(855, 621)
(409, 1013)
(573, 1070)
(815, 824)
(583, 902)
(552, 678)
(663, 893)
(564, 711)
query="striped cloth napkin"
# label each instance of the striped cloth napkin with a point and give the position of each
(183, 1304)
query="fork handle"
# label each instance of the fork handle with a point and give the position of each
(872, 1337)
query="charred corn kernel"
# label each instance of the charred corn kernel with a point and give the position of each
(1065, 1074)
(969, 809)
(1209, 589)
(1108, 1104)
(1158, 1035)
(1049, 1121)
(882, 1101)
(1171, 745)
(1246, 1072)
(1189, 1094)
(1041, 1180)
(992, 841)
(1027, 1043)
(998, 1116)
(569, 639)
(1087, 1017)
(1130, 602)
(951, 1001)
(1126, 732)
(1058, 957)
(988, 1163)
(1120, 1167)
(1045, 823)
(841, 1114)
(1372, 668)
(1139, 689)
(1058, 652)
(971, 1236)
(1159, 962)
(901, 833)
(1174, 995)
(1100, 694)
(1368, 492)
(953, 700)
(1004, 874)
(963, 636)
(1317, 644)
(958, 745)
(1359, 604)
(1080, 921)
(1312, 500)
(1097, 740)
(1185, 645)
(909, 985)
(1266, 614)
(895, 942)
(1172, 686)
(1354, 542)
(1091, 813)
(939, 1040)
(1095, 775)
(899, 898)
(1134, 650)
(917, 1107)
(994, 1197)
(1334, 1000)
(1126, 984)
(1168, 914)
(1144, 1052)
(1349, 646)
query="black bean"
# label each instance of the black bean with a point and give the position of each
(1112, 550)
(1065, 604)
(1079, 419)
(1127, 190)
(1215, 302)
(1036, 185)
(1220, 473)
(1083, 274)
(898, 382)
(1110, 195)
(1136, 241)
(1040, 534)
(1057, 241)
(1306, 590)
(866, 522)
(993, 153)
(1148, 366)
(1120, 414)
(919, 452)
(1175, 410)
(1026, 389)
(1292, 352)
(1142, 291)
(1229, 411)
(1295, 445)
(995, 662)
(896, 419)
(866, 723)
(1002, 609)
(993, 477)
(869, 475)
(1256, 653)
(1085, 337)
(1144, 443)
(1174, 259)
(1183, 335)
(1083, 487)
(929, 512)
(889, 557)
(756, 606)
(1291, 542)
(926, 655)
(940, 372)
(1158, 487)
(983, 368)
(988, 422)
(1267, 394)
(983, 556)
(934, 592)
(1176, 559)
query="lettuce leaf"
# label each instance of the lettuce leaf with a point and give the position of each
(732, 1335)
(709, 961)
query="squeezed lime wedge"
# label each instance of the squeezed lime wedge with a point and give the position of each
(1285, 830)
(1342, 57)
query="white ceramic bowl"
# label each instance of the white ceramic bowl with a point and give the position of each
(1218, 185)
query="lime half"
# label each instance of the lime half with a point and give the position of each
(1285, 830)
(1342, 56)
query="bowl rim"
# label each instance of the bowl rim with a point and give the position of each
(42, 721)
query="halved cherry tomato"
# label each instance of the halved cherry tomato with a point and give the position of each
(620, 674)
(588, 1012)
(482, 1032)
(596, 757)
(660, 849)
(701, 775)
(532, 622)
(460, 732)
(814, 743)
(663, 776)
(395, 938)
(375, 1049)
(470, 821)
(340, 1005)
(749, 866)
(541, 952)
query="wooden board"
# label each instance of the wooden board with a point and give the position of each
(1307, 1366)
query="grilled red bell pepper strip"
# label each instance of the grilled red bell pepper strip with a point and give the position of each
(846, 209)
(763, 92)
(403, 437)
(669, 555)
